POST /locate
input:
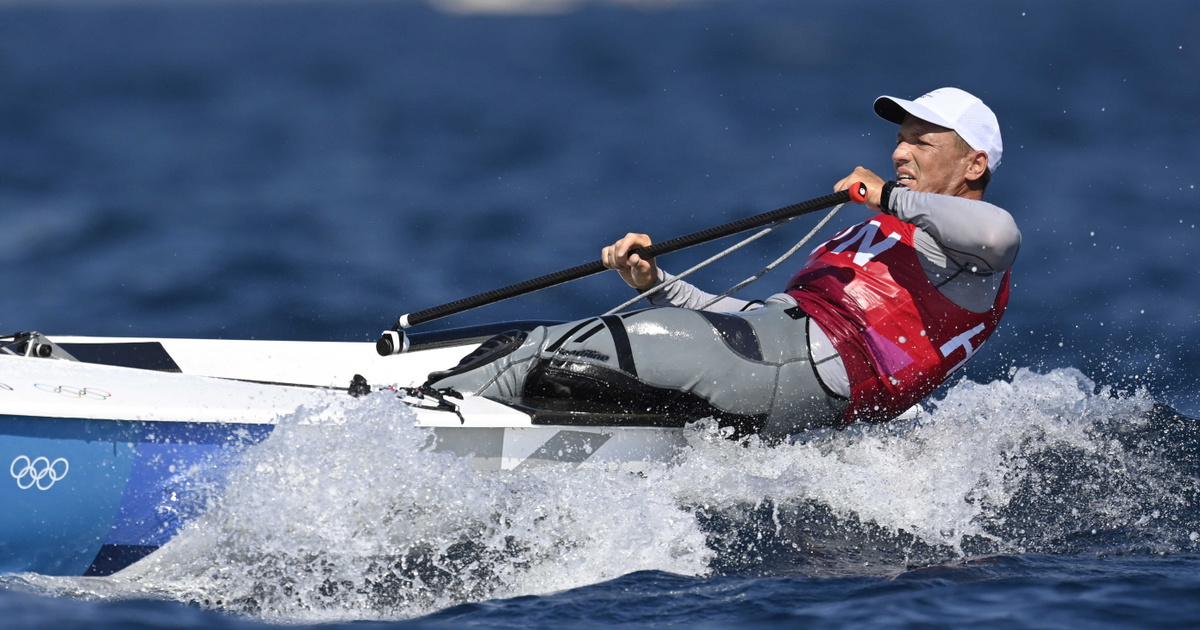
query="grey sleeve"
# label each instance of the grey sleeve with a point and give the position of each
(973, 233)
(685, 295)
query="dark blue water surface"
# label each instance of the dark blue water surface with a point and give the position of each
(313, 170)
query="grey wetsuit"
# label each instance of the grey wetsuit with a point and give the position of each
(761, 367)
(751, 370)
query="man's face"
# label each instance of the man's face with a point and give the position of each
(930, 158)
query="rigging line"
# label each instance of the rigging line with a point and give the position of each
(728, 251)
(778, 261)
(698, 267)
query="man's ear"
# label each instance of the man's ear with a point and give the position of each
(976, 166)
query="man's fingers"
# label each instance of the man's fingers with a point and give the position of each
(620, 256)
(610, 257)
(622, 248)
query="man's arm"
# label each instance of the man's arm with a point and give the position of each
(643, 274)
(974, 233)
(685, 295)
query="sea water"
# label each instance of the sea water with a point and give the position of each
(312, 170)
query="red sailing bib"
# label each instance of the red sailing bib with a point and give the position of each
(899, 337)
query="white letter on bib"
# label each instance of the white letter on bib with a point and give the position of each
(865, 250)
(961, 341)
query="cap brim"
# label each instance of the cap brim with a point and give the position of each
(894, 109)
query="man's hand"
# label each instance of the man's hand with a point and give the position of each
(637, 273)
(874, 185)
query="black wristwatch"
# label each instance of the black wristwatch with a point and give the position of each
(885, 196)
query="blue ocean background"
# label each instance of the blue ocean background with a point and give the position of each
(312, 170)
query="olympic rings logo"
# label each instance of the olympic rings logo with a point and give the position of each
(70, 391)
(40, 472)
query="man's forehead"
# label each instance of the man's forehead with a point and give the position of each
(916, 126)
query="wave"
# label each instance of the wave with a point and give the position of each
(344, 513)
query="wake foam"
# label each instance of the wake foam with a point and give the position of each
(345, 513)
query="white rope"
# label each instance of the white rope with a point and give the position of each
(725, 253)
(698, 267)
(778, 261)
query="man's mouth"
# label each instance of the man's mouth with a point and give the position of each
(905, 179)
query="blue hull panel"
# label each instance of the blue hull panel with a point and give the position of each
(93, 496)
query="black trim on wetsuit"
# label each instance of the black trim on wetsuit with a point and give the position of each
(620, 338)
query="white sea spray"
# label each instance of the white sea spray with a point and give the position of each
(346, 513)
(944, 476)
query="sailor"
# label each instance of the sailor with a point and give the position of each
(879, 316)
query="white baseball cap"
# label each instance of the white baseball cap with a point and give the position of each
(954, 109)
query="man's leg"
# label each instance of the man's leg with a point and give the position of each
(751, 370)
